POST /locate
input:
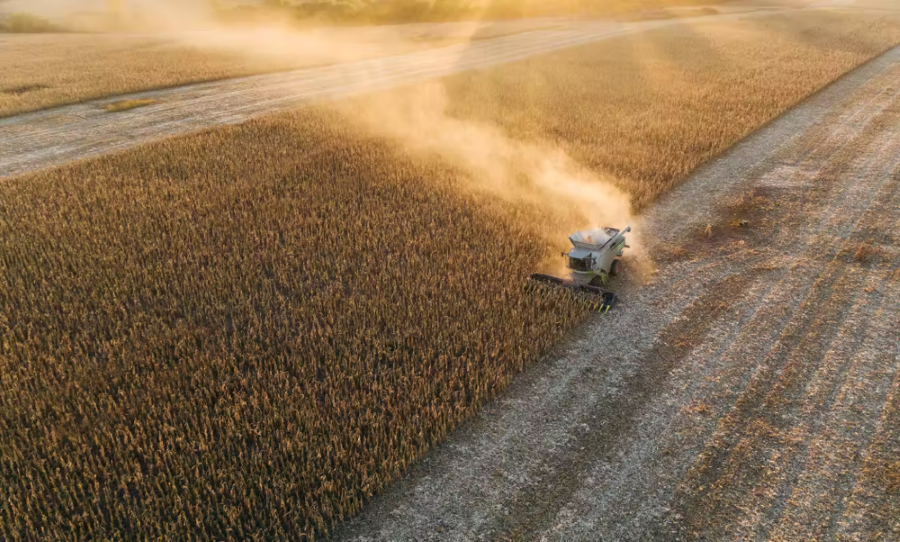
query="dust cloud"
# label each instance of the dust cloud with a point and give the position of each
(518, 172)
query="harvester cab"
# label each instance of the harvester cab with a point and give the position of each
(594, 256)
(592, 260)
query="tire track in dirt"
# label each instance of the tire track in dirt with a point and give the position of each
(821, 392)
(868, 402)
(872, 511)
(820, 479)
(594, 443)
(736, 466)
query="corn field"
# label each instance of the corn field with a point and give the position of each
(246, 333)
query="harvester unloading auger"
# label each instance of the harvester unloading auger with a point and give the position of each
(593, 259)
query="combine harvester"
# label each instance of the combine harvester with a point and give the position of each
(593, 259)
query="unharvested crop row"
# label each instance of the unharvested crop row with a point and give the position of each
(247, 332)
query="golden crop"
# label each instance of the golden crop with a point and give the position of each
(47, 70)
(648, 109)
(246, 333)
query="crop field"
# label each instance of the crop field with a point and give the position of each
(650, 108)
(46, 70)
(248, 332)
(274, 311)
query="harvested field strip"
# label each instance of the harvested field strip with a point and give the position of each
(772, 440)
(678, 340)
(77, 67)
(873, 508)
(871, 493)
(821, 392)
(815, 498)
(770, 429)
(834, 144)
(767, 319)
(736, 462)
(250, 331)
(58, 69)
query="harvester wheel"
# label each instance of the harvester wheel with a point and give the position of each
(615, 268)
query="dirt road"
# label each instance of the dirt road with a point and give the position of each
(52, 137)
(751, 391)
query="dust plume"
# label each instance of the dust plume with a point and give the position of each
(518, 172)
(537, 174)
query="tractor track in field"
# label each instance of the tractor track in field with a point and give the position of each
(749, 391)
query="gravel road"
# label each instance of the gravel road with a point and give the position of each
(750, 391)
(55, 136)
